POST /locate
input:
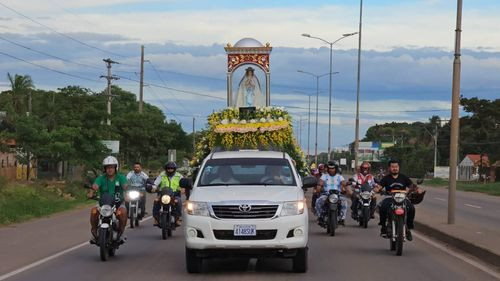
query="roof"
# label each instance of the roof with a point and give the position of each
(248, 154)
(476, 159)
(248, 42)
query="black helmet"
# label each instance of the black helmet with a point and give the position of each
(332, 165)
(170, 165)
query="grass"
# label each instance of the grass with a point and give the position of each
(21, 202)
(487, 188)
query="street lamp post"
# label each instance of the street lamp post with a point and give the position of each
(358, 85)
(330, 87)
(317, 107)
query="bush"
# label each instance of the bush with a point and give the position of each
(3, 182)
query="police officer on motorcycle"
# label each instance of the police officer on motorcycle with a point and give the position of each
(169, 178)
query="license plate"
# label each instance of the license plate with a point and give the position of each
(245, 230)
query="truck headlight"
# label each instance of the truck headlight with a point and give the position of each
(292, 208)
(197, 208)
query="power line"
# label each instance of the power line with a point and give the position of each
(162, 104)
(50, 69)
(60, 33)
(164, 83)
(47, 54)
(174, 89)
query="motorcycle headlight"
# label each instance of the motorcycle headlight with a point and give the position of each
(197, 208)
(366, 195)
(165, 199)
(399, 197)
(292, 208)
(333, 198)
(106, 211)
(133, 194)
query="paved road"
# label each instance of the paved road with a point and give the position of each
(480, 209)
(354, 254)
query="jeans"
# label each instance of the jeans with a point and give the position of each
(177, 212)
(320, 202)
(385, 207)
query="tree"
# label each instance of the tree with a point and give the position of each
(20, 85)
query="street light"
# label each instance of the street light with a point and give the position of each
(330, 88)
(317, 105)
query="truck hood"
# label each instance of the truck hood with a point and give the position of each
(247, 193)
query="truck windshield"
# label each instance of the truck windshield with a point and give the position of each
(247, 171)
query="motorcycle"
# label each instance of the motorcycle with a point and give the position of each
(108, 227)
(364, 194)
(134, 209)
(331, 211)
(396, 228)
(167, 212)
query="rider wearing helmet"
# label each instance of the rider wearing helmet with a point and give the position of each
(315, 173)
(363, 176)
(170, 178)
(331, 180)
(114, 184)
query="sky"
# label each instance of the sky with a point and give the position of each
(406, 61)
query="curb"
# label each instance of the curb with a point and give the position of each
(481, 253)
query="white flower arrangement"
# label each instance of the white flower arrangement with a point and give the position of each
(235, 121)
(252, 121)
(243, 121)
(280, 119)
(224, 122)
(262, 120)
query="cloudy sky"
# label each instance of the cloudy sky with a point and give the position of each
(406, 59)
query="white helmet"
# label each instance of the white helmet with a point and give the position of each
(110, 160)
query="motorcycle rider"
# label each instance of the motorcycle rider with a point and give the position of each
(363, 176)
(112, 183)
(317, 173)
(396, 180)
(331, 180)
(137, 177)
(169, 178)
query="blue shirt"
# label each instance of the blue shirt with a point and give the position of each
(332, 182)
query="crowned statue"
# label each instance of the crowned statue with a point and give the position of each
(249, 92)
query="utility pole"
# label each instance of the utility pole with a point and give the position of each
(194, 136)
(435, 148)
(28, 154)
(455, 121)
(356, 141)
(309, 129)
(141, 83)
(109, 77)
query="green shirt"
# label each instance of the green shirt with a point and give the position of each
(110, 186)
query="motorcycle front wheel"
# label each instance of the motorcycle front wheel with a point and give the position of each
(332, 224)
(103, 247)
(164, 226)
(400, 229)
(131, 216)
(366, 216)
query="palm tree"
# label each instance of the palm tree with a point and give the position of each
(21, 85)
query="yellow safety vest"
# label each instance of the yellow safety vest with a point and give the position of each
(173, 183)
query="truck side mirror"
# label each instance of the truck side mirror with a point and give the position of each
(309, 181)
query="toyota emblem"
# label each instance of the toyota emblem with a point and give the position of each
(245, 208)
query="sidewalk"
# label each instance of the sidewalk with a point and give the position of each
(479, 241)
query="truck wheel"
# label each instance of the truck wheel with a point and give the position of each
(300, 261)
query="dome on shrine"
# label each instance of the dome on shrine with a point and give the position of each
(248, 43)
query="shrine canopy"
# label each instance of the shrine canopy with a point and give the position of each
(248, 51)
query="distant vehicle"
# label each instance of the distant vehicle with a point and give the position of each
(247, 203)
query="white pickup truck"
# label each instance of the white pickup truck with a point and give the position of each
(247, 203)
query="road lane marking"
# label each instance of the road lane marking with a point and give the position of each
(440, 199)
(473, 206)
(459, 256)
(49, 258)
